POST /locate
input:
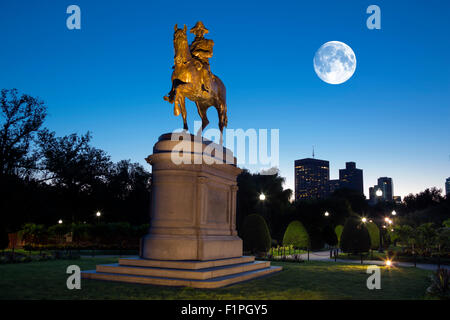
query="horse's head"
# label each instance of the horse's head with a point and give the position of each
(180, 35)
(180, 43)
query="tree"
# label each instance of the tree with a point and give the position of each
(255, 234)
(446, 223)
(357, 201)
(21, 118)
(274, 208)
(423, 200)
(426, 236)
(296, 235)
(355, 237)
(329, 236)
(404, 234)
(71, 161)
(443, 239)
(338, 231)
(374, 233)
(129, 185)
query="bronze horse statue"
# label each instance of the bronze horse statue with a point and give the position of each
(188, 82)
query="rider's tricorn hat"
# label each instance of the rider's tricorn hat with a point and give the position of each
(199, 28)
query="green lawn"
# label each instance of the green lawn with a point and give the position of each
(309, 280)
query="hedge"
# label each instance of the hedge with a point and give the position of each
(255, 234)
(355, 237)
(296, 235)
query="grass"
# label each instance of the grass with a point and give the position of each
(309, 280)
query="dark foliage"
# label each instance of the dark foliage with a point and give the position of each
(255, 234)
(20, 120)
(4, 240)
(355, 237)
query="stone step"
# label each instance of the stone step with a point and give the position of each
(207, 283)
(184, 264)
(197, 274)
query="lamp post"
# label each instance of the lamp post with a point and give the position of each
(262, 199)
(98, 215)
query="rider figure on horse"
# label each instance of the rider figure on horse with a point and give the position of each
(202, 50)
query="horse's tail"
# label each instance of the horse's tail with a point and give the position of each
(225, 117)
(223, 100)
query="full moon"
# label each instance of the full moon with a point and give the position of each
(335, 62)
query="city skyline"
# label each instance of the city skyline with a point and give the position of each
(391, 117)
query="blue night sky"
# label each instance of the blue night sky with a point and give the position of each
(391, 118)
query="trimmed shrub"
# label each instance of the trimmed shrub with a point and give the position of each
(374, 234)
(255, 234)
(355, 237)
(296, 235)
(338, 231)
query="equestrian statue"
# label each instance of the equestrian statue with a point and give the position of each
(192, 77)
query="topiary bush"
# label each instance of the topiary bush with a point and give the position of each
(296, 235)
(355, 237)
(338, 231)
(255, 234)
(374, 233)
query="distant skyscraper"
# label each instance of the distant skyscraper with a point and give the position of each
(351, 177)
(385, 188)
(447, 186)
(311, 179)
(334, 185)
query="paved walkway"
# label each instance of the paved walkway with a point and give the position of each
(325, 256)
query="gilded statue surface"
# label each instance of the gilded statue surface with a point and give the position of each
(192, 77)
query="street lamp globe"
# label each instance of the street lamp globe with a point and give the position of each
(60, 221)
(326, 213)
(379, 193)
(98, 214)
(364, 220)
(262, 197)
(394, 213)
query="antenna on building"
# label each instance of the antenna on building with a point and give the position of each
(313, 151)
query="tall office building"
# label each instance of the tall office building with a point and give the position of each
(333, 185)
(386, 186)
(447, 186)
(351, 177)
(311, 179)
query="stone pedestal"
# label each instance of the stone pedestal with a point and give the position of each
(192, 239)
(193, 210)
